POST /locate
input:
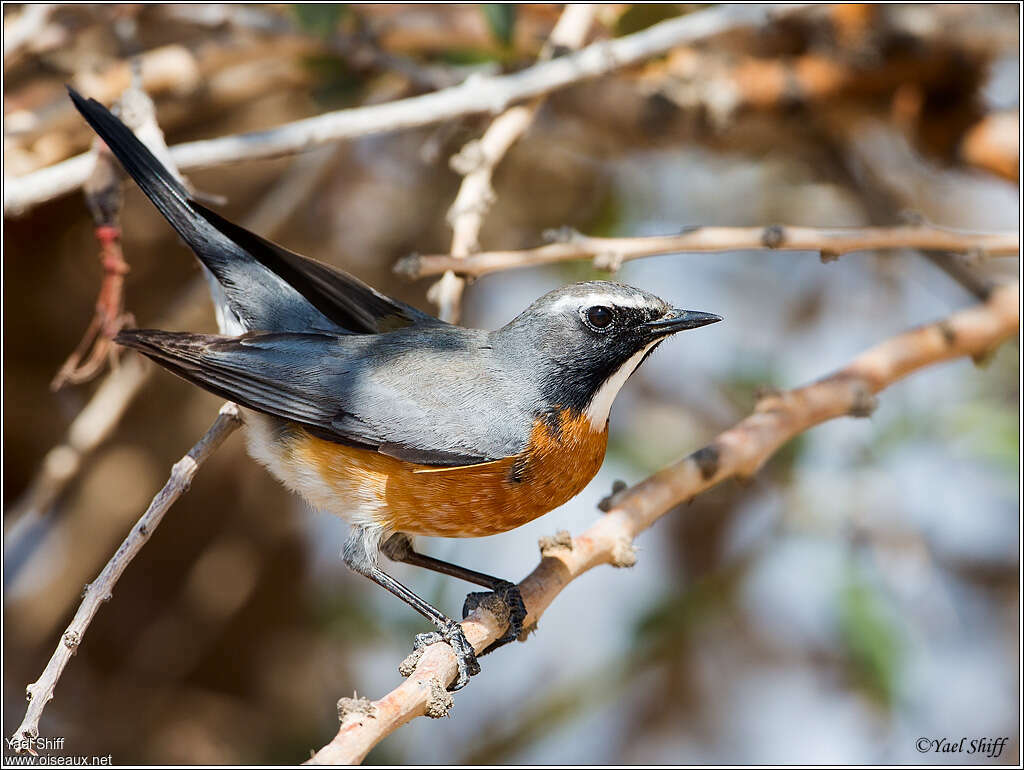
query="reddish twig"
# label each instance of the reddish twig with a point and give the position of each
(104, 198)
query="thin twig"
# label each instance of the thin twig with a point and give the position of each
(737, 453)
(478, 159)
(492, 94)
(609, 253)
(100, 590)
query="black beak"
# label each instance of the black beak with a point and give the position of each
(677, 320)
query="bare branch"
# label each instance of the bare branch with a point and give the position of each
(609, 253)
(478, 159)
(476, 95)
(738, 452)
(90, 428)
(40, 692)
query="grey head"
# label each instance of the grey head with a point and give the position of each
(585, 339)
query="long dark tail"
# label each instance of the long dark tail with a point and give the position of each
(265, 286)
(160, 185)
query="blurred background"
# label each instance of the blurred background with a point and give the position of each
(861, 592)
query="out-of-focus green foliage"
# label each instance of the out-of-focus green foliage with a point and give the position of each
(607, 221)
(343, 615)
(659, 630)
(547, 714)
(337, 85)
(989, 432)
(501, 19)
(643, 15)
(320, 18)
(874, 644)
(465, 57)
(984, 431)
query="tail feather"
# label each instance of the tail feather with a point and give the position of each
(251, 293)
(153, 178)
(264, 286)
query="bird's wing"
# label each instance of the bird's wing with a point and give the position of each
(265, 285)
(340, 388)
(341, 297)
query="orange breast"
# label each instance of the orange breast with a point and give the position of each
(471, 501)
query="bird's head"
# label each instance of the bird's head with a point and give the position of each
(587, 338)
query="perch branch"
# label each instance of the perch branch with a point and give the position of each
(478, 159)
(737, 453)
(40, 692)
(609, 253)
(491, 94)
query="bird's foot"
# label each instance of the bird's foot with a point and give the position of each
(509, 595)
(451, 632)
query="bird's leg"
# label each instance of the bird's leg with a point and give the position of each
(360, 555)
(399, 547)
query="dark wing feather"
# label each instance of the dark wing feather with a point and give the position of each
(309, 378)
(343, 298)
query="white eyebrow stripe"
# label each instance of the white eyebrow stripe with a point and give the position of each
(598, 298)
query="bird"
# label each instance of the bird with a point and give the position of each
(400, 423)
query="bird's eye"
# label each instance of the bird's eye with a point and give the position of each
(600, 317)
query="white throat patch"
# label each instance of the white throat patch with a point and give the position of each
(601, 404)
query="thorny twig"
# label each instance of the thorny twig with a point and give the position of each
(100, 590)
(737, 453)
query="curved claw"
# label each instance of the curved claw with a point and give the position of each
(509, 594)
(465, 656)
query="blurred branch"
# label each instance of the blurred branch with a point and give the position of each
(609, 253)
(476, 95)
(93, 424)
(25, 28)
(40, 692)
(994, 144)
(891, 177)
(737, 453)
(477, 160)
(360, 50)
